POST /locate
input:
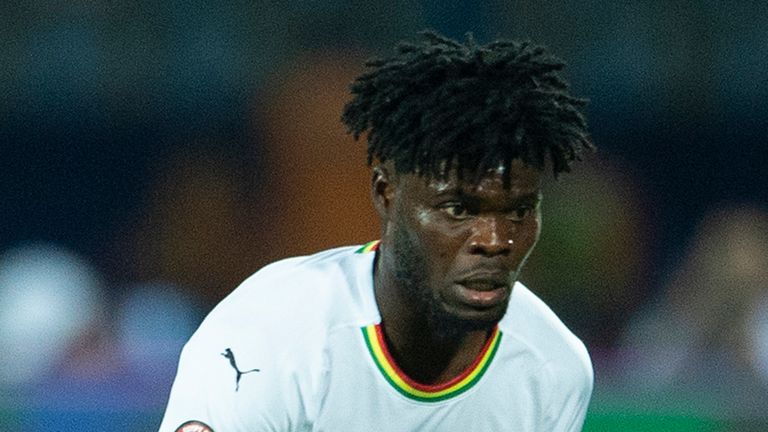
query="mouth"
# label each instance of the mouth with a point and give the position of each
(482, 293)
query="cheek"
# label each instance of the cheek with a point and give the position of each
(439, 241)
(527, 238)
(434, 231)
(536, 230)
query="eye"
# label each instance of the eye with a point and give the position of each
(520, 213)
(455, 210)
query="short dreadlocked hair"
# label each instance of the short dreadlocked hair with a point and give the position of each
(442, 103)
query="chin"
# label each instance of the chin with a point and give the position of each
(483, 319)
(452, 320)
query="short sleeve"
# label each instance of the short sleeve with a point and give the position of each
(258, 361)
(252, 365)
(230, 388)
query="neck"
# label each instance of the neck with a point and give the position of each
(422, 348)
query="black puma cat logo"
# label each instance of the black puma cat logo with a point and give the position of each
(231, 356)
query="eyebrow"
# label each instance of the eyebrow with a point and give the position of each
(534, 196)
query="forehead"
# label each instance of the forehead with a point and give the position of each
(522, 180)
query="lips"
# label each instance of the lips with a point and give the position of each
(482, 290)
(485, 281)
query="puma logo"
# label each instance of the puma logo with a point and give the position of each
(231, 356)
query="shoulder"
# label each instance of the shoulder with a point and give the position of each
(266, 342)
(292, 300)
(562, 360)
(532, 323)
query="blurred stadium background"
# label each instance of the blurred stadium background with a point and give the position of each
(154, 154)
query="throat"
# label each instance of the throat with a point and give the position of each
(432, 361)
(418, 342)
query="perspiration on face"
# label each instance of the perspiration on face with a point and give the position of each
(449, 234)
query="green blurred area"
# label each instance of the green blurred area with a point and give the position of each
(627, 419)
(642, 421)
(666, 411)
(631, 420)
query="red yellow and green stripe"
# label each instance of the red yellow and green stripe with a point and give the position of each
(371, 246)
(374, 340)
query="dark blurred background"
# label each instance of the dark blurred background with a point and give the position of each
(154, 154)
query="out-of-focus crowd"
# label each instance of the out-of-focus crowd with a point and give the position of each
(71, 360)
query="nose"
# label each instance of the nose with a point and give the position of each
(490, 237)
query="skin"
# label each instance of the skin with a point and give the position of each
(451, 251)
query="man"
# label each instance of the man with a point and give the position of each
(428, 329)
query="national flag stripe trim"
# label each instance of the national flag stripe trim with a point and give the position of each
(369, 247)
(374, 340)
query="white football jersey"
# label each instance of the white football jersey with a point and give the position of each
(298, 347)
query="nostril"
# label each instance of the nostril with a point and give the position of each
(492, 247)
(487, 238)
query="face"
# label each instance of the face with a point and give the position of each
(457, 247)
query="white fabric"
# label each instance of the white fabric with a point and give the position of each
(299, 322)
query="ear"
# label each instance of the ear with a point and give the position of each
(382, 190)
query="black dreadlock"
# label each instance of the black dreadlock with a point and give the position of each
(468, 106)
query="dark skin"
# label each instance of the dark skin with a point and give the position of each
(451, 251)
